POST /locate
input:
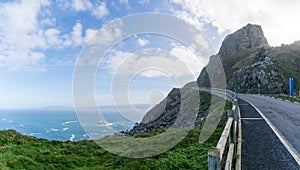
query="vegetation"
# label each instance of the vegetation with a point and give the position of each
(19, 151)
(25, 152)
(288, 59)
(286, 62)
(286, 97)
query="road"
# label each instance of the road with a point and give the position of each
(271, 133)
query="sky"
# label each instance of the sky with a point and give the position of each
(41, 40)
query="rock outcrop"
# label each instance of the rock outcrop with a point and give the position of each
(262, 76)
(247, 60)
(179, 109)
(245, 64)
(250, 36)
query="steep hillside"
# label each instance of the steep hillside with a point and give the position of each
(187, 102)
(252, 66)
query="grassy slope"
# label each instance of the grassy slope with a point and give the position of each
(286, 58)
(286, 97)
(18, 151)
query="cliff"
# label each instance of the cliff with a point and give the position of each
(250, 66)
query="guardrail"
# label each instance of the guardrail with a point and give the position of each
(232, 134)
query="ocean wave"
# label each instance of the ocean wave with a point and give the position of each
(109, 124)
(21, 125)
(64, 129)
(72, 137)
(55, 130)
(68, 122)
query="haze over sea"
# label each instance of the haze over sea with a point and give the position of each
(60, 123)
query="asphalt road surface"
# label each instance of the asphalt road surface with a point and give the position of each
(261, 147)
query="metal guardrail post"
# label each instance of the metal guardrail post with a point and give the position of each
(231, 130)
(214, 160)
(230, 114)
(238, 163)
(230, 155)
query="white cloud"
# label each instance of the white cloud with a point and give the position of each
(277, 18)
(106, 37)
(101, 11)
(25, 35)
(98, 10)
(123, 1)
(82, 5)
(126, 3)
(194, 63)
(142, 42)
(89, 33)
(106, 34)
(21, 35)
(48, 22)
(76, 34)
(180, 63)
(52, 36)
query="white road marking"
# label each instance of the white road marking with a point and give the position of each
(288, 146)
(250, 118)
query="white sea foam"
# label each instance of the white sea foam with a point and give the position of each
(55, 130)
(64, 129)
(21, 125)
(72, 137)
(68, 122)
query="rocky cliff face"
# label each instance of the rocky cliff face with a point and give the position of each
(260, 77)
(250, 66)
(231, 52)
(250, 36)
(165, 114)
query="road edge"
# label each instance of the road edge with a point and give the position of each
(287, 145)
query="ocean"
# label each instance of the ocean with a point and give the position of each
(61, 124)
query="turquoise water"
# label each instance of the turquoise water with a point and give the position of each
(59, 124)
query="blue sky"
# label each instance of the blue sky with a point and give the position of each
(40, 41)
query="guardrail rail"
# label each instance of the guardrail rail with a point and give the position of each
(232, 134)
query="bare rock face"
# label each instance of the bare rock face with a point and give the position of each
(180, 103)
(262, 76)
(250, 36)
(213, 74)
(250, 66)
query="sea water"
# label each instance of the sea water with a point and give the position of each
(61, 124)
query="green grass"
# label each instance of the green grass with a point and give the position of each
(19, 151)
(24, 152)
(286, 97)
